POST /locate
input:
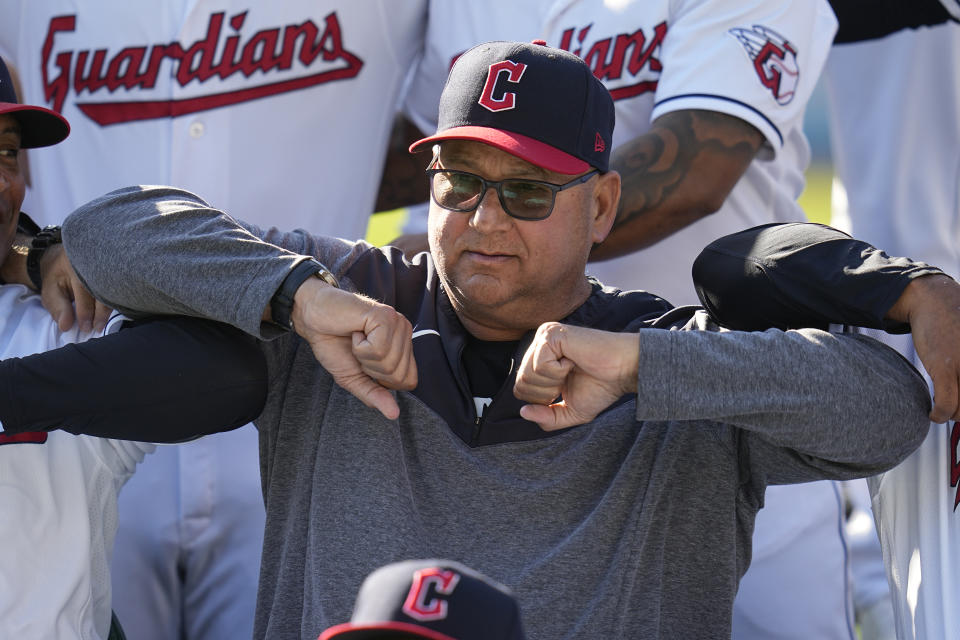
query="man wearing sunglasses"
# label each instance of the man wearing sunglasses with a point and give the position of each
(512, 263)
(396, 422)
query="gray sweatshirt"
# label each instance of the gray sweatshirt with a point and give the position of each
(635, 525)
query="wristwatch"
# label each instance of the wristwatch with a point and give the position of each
(281, 305)
(45, 238)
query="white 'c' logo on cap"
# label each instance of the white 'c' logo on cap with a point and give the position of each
(514, 71)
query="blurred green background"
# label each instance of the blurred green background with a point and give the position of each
(815, 199)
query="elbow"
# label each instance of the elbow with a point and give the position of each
(696, 205)
(901, 437)
(911, 437)
(916, 431)
(918, 435)
(707, 202)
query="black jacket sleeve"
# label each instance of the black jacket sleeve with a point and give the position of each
(159, 380)
(868, 19)
(795, 275)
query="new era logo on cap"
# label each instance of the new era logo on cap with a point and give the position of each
(541, 104)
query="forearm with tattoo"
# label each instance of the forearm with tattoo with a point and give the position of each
(680, 171)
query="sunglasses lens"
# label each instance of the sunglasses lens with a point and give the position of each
(456, 191)
(462, 191)
(527, 199)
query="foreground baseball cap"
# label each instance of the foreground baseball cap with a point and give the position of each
(541, 104)
(39, 127)
(435, 599)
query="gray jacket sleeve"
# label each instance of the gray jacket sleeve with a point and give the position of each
(803, 404)
(161, 250)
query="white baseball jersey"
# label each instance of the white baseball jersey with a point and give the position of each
(59, 504)
(278, 113)
(758, 61)
(797, 585)
(896, 146)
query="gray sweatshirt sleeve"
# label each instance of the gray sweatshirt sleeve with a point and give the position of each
(161, 250)
(802, 404)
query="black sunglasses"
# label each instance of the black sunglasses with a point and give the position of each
(523, 199)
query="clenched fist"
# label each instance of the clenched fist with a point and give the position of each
(570, 374)
(366, 346)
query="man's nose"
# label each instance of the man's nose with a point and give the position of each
(489, 213)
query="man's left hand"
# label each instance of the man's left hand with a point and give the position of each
(589, 368)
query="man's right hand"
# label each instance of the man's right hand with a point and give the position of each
(366, 346)
(65, 297)
(931, 305)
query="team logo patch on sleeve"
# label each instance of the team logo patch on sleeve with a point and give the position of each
(774, 59)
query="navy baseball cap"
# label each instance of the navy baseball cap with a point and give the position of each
(539, 103)
(434, 599)
(39, 127)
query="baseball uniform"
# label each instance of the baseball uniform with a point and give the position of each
(262, 109)
(59, 497)
(896, 146)
(657, 57)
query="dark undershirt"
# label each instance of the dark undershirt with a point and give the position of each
(488, 365)
(161, 380)
(861, 20)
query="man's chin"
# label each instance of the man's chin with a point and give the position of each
(482, 290)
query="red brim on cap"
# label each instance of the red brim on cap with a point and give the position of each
(348, 631)
(525, 148)
(39, 127)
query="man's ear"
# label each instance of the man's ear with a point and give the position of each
(606, 195)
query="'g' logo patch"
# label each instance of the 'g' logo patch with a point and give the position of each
(774, 59)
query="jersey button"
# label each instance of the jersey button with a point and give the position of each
(196, 129)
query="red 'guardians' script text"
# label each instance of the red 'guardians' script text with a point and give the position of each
(137, 67)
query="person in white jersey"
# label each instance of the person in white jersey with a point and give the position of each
(710, 97)
(263, 108)
(58, 491)
(896, 152)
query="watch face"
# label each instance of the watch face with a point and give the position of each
(328, 277)
(46, 237)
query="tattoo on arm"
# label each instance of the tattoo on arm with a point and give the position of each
(403, 182)
(654, 166)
